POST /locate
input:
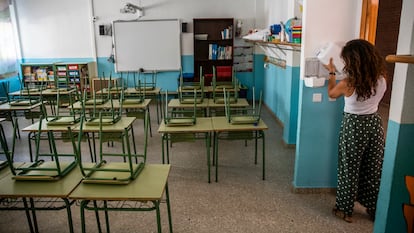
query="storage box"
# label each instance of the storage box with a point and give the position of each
(72, 67)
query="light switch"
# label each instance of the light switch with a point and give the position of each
(332, 99)
(317, 97)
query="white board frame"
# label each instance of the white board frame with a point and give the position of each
(149, 45)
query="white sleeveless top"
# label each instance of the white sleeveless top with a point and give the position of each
(368, 106)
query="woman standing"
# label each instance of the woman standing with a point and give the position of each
(361, 138)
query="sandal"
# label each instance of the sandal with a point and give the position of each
(341, 214)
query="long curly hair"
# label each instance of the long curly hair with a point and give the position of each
(363, 65)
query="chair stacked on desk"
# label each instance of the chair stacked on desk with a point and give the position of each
(189, 93)
(219, 87)
(137, 96)
(104, 170)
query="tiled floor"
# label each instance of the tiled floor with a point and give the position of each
(240, 202)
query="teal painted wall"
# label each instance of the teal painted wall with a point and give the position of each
(281, 93)
(316, 148)
(399, 153)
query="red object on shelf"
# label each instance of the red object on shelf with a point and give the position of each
(72, 67)
(224, 71)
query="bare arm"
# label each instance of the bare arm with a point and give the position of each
(336, 90)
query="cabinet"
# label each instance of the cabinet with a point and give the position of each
(35, 74)
(213, 46)
(75, 73)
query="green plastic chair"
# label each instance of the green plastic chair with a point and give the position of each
(136, 97)
(70, 117)
(219, 87)
(146, 83)
(181, 116)
(188, 94)
(105, 170)
(250, 115)
(59, 165)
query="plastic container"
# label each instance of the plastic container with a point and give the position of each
(314, 81)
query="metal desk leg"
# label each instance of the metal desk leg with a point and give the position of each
(29, 219)
(255, 147)
(167, 200)
(264, 159)
(162, 147)
(34, 215)
(157, 209)
(168, 149)
(70, 223)
(216, 135)
(208, 154)
(98, 221)
(106, 216)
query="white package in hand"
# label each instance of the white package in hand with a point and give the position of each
(333, 50)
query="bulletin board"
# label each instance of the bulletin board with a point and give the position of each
(147, 44)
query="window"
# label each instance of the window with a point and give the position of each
(8, 60)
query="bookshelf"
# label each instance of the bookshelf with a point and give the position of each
(35, 74)
(213, 46)
(75, 73)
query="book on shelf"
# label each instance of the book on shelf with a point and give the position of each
(227, 33)
(213, 51)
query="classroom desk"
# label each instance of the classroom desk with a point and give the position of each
(45, 92)
(34, 128)
(46, 193)
(48, 95)
(11, 111)
(6, 107)
(124, 124)
(152, 94)
(221, 125)
(203, 126)
(115, 104)
(213, 107)
(149, 186)
(175, 103)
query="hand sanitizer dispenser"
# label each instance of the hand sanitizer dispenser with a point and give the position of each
(333, 50)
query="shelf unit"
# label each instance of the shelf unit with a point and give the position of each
(75, 73)
(35, 74)
(243, 57)
(210, 35)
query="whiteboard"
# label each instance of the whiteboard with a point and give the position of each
(147, 44)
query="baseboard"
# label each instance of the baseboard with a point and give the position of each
(279, 122)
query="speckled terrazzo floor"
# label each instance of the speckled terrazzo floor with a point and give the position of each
(240, 202)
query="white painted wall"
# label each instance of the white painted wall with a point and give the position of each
(66, 29)
(54, 29)
(108, 10)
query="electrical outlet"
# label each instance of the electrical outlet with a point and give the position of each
(317, 97)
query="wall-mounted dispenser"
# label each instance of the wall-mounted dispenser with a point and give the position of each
(331, 49)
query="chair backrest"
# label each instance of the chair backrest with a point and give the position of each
(105, 116)
(249, 115)
(194, 92)
(218, 89)
(136, 96)
(57, 117)
(147, 83)
(183, 116)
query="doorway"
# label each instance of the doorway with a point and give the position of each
(380, 24)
